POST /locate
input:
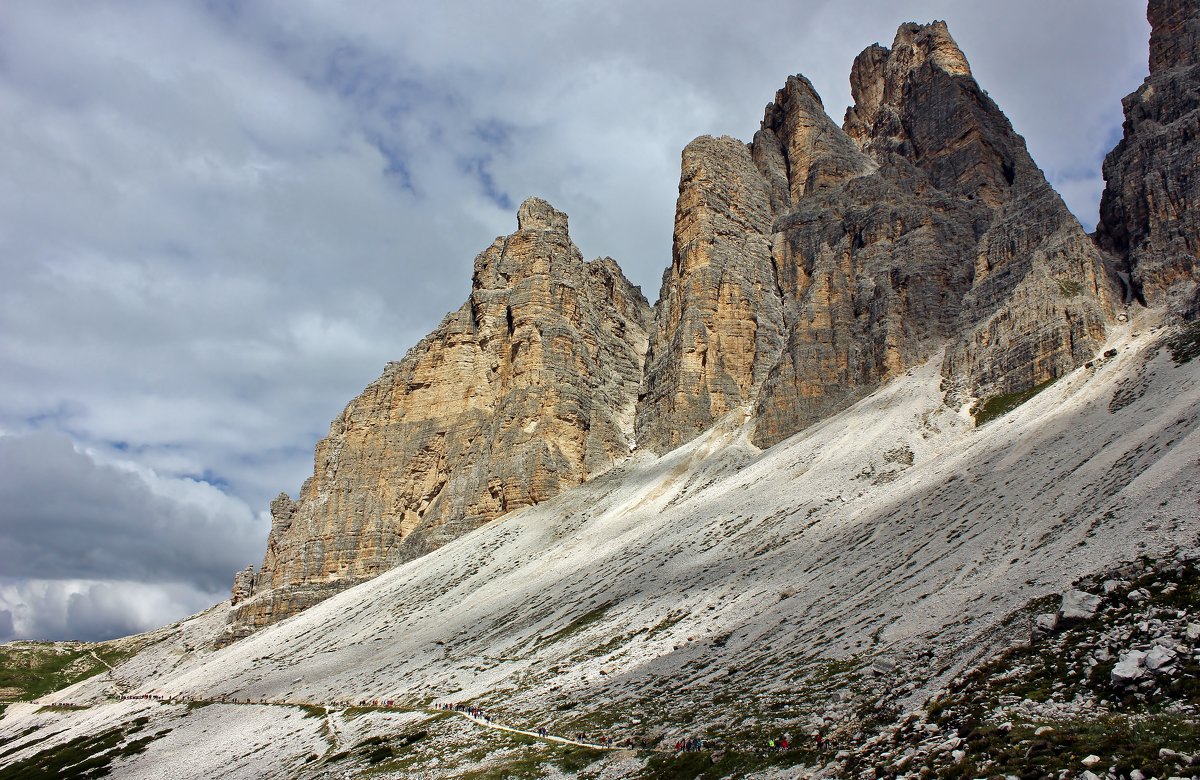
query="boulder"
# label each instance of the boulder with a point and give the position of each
(1158, 658)
(1130, 668)
(1078, 605)
(1046, 622)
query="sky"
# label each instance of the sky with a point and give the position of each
(219, 220)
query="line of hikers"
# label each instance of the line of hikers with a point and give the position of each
(785, 743)
(475, 712)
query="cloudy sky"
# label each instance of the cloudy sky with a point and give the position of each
(218, 220)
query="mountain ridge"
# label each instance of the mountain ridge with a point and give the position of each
(808, 267)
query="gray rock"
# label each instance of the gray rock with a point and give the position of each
(1158, 657)
(1150, 207)
(1046, 622)
(1078, 605)
(1129, 669)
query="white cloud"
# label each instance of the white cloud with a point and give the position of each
(91, 610)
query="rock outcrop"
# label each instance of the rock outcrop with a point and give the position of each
(1150, 210)
(243, 586)
(718, 322)
(844, 256)
(808, 267)
(525, 391)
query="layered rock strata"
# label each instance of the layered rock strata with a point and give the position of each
(525, 391)
(808, 267)
(844, 256)
(1150, 210)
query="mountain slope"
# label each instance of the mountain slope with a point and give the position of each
(735, 590)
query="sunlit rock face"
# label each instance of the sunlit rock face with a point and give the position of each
(818, 261)
(525, 391)
(808, 267)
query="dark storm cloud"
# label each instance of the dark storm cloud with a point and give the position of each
(65, 516)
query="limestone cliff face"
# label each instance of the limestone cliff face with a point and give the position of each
(807, 268)
(1039, 296)
(717, 325)
(922, 224)
(1149, 210)
(525, 391)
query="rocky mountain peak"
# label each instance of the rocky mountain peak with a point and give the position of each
(1175, 34)
(879, 75)
(915, 44)
(823, 261)
(536, 214)
(919, 100)
(814, 152)
(527, 390)
(808, 267)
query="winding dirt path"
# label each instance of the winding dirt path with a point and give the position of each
(534, 734)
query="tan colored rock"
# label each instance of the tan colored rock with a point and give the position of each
(243, 586)
(527, 390)
(923, 225)
(717, 323)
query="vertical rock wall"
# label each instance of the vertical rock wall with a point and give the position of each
(1149, 211)
(921, 225)
(525, 391)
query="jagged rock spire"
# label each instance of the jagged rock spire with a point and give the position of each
(526, 390)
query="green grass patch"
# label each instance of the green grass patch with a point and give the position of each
(728, 764)
(1000, 405)
(33, 669)
(1122, 741)
(1069, 287)
(588, 618)
(89, 756)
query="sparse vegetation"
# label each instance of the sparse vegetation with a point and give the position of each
(588, 618)
(1000, 405)
(1185, 344)
(88, 756)
(32, 669)
(1069, 287)
(1039, 709)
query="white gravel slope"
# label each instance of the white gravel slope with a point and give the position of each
(893, 529)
